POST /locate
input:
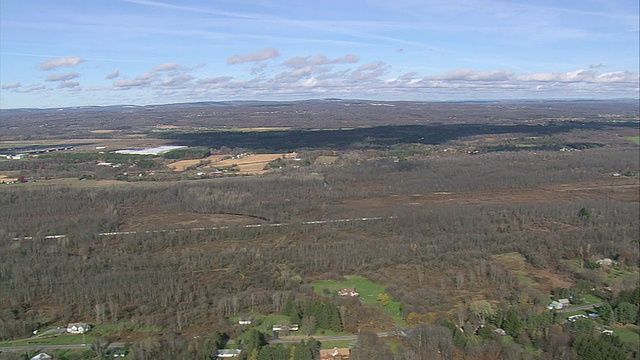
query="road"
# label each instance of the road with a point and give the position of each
(213, 228)
(250, 226)
(283, 340)
(321, 338)
(26, 348)
(581, 307)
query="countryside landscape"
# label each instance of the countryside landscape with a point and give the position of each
(321, 229)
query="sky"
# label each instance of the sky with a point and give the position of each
(137, 52)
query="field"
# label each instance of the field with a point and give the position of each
(629, 334)
(183, 165)
(367, 289)
(250, 164)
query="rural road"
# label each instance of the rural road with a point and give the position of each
(581, 307)
(250, 226)
(321, 338)
(285, 340)
(54, 347)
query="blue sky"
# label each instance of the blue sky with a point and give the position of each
(79, 53)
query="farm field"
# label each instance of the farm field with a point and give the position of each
(252, 164)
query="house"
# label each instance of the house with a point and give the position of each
(41, 356)
(117, 353)
(604, 262)
(564, 302)
(573, 318)
(348, 292)
(228, 353)
(78, 328)
(291, 327)
(335, 354)
(555, 305)
(607, 332)
(500, 332)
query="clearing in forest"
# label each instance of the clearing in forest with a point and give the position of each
(368, 292)
(540, 279)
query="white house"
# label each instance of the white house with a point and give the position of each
(78, 328)
(228, 353)
(292, 327)
(555, 305)
(348, 292)
(41, 356)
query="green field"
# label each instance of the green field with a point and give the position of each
(367, 289)
(336, 344)
(66, 339)
(633, 138)
(629, 334)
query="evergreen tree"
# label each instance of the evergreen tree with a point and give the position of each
(606, 314)
(626, 313)
(512, 323)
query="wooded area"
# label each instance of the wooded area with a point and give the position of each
(468, 240)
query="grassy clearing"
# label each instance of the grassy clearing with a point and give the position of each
(336, 344)
(592, 299)
(635, 139)
(109, 329)
(367, 289)
(629, 334)
(66, 339)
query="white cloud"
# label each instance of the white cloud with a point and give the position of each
(169, 67)
(112, 75)
(472, 75)
(369, 72)
(256, 56)
(303, 61)
(215, 80)
(619, 77)
(62, 77)
(176, 81)
(588, 76)
(143, 80)
(62, 62)
(68, 84)
(11, 86)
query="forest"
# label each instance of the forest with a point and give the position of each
(474, 226)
